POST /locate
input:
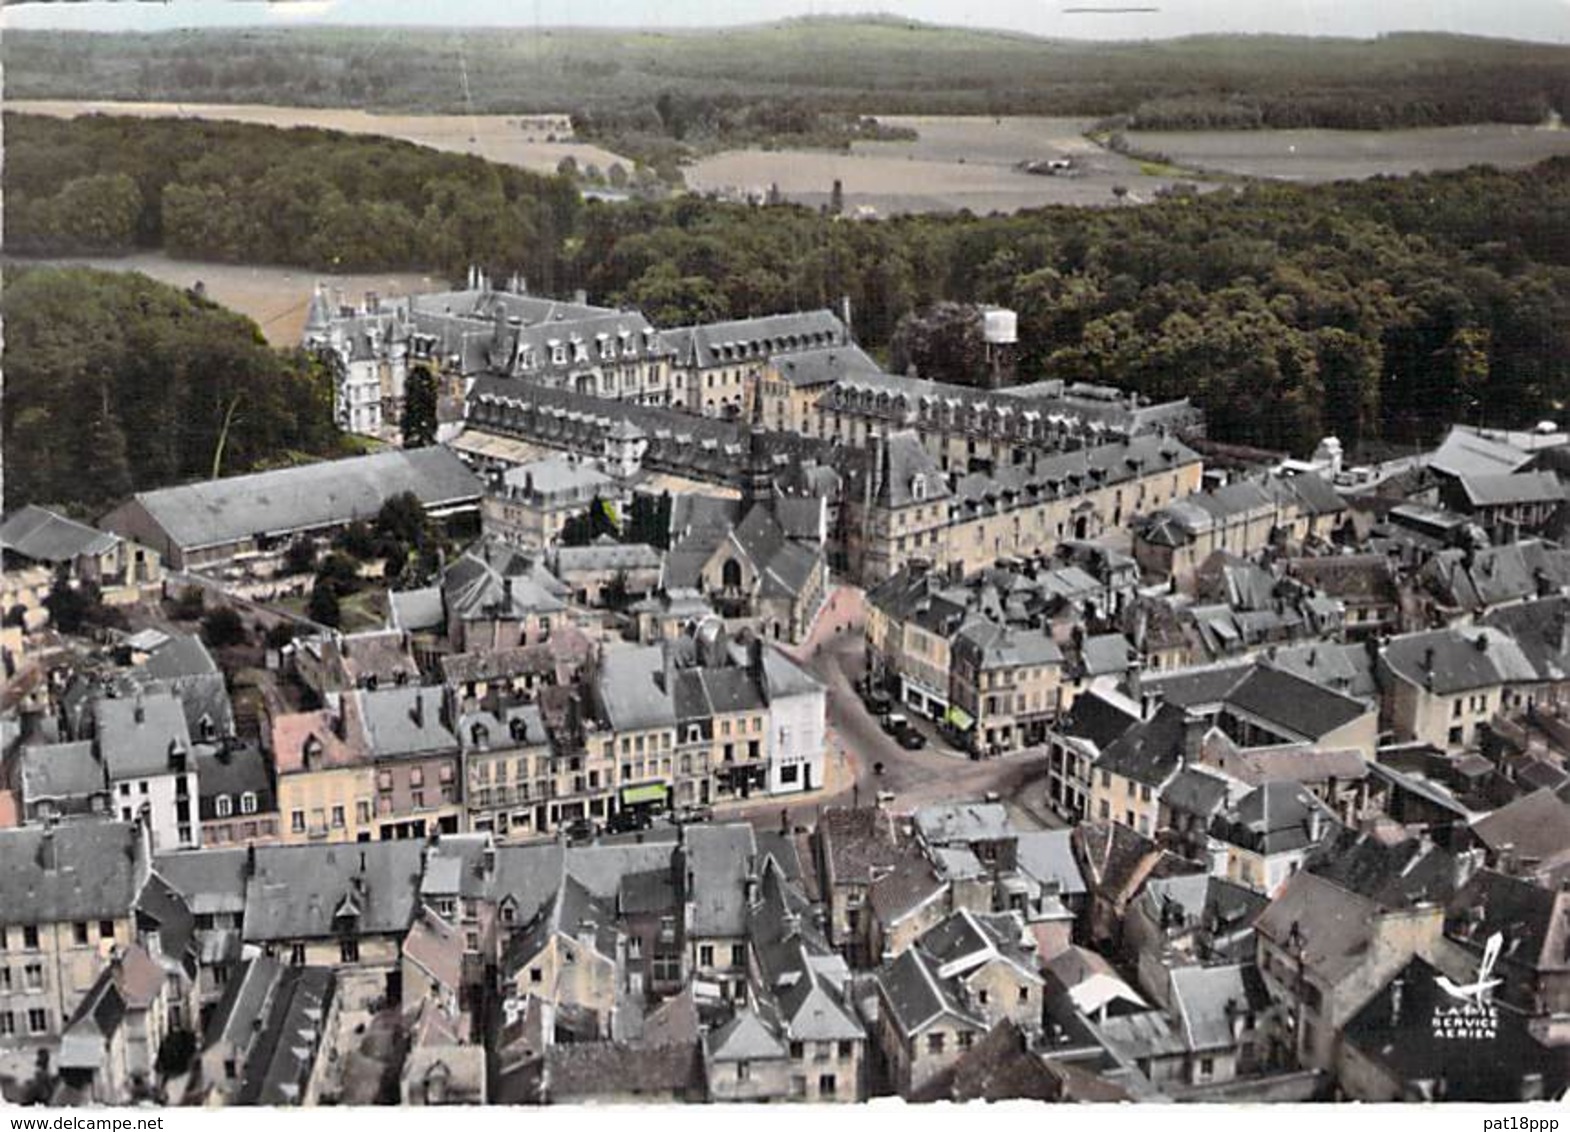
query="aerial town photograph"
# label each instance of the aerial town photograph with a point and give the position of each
(784, 552)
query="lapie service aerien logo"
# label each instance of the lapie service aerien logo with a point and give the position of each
(1470, 1015)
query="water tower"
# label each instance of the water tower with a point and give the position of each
(1000, 330)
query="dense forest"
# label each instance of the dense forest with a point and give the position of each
(1378, 310)
(240, 193)
(808, 78)
(115, 383)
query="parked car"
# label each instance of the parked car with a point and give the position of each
(877, 700)
(894, 722)
(629, 821)
(911, 739)
(580, 832)
(683, 815)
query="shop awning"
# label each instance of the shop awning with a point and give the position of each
(636, 795)
(960, 718)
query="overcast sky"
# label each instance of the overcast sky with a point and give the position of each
(1547, 20)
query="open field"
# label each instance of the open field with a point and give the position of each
(954, 163)
(274, 297)
(509, 139)
(862, 65)
(1332, 155)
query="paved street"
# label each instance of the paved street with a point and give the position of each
(857, 743)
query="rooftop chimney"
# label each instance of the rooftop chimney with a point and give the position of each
(48, 850)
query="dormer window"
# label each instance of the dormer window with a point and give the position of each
(248, 802)
(918, 488)
(224, 805)
(559, 355)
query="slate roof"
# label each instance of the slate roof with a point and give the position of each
(1537, 825)
(718, 857)
(1499, 575)
(911, 884)
(705, 344)
(404, 721)
(992, 646)
(1204, 1000)
(1048, 856)
(210, 881)
(232, 770)
(310, 891)
(855, 843)
(1465, 454)
(916, 997)
(1223, 909)
(616, 556)
(582, 1071)
(999, 1067)
(1299, 708)
(1196, 790)
(1349, 669)
(1116, 858)
(567, 650)
(1197, 687)
(140, 749)
(61, 770)
(280, 1062)
(1106, 654)
(629, 689)
(1149, 752)
(745, 1037)
(413, 610)
(511, 725)
(492, 579)
(556, 475)
(1394, 875)
(95, 874)
(1335, 927)
(311, 496)
(809, 369)
(436, 947)
(1069, 474)
(1462, 660)
(963, 823)
(1277, 817)
(45, 536)
(1542, 631)
(1402, 1040)
(1096, 719)
(1534, 921)
(904, 461)
(1508, 490)
(236, 1017)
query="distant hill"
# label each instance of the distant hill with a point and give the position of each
(856, 65)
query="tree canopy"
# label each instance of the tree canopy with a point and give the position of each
(115, 383)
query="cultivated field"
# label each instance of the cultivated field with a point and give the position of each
(274, 297)
(509, 139)
(955, 162)
(1333, 155)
